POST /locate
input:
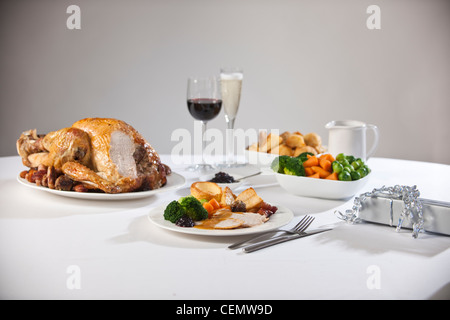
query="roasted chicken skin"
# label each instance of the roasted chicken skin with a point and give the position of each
(55, 148)
(102, 153)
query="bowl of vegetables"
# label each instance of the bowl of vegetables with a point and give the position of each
(321, 176)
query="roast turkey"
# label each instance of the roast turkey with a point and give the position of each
(102, 153)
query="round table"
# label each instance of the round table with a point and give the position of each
(53, 247)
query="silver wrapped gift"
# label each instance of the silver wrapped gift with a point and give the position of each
(400, 206)
(384, 210)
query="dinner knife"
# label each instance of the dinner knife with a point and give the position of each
(281, 239)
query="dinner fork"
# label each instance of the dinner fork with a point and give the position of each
(280, 239)
(301, 226)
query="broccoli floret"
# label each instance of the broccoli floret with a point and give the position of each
(279, 163)
(174, 211)
(304, 156)
(294, 167)
(193, 208)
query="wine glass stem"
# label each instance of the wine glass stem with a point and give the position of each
(203, 141)
(230, 140)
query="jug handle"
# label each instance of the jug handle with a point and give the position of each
(374, 128)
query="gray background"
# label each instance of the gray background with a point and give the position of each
(305, 62)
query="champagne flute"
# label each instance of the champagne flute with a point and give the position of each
(204, 102)
(231, 84)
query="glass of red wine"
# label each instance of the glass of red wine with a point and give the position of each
(204, 102)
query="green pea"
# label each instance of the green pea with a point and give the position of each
(345, 176)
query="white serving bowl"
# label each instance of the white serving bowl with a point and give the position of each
(320, 188)
(260, 159)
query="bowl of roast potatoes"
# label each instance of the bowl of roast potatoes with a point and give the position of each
(272, 145)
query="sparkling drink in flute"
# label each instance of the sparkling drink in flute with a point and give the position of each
(231, 84)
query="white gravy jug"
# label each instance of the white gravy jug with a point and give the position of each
(349, 137)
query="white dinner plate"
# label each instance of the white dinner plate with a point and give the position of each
(174, 181)
(282, 217)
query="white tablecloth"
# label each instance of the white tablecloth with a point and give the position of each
(53, 247)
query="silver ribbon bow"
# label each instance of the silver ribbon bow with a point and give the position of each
(412, 206)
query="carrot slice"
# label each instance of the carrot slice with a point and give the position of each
(312, 161)
(315, 175)
(322, 173)
(327, 156)
(326, 165)
(208, 206)
(333, 176)
(214, 203)
(309, 171)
